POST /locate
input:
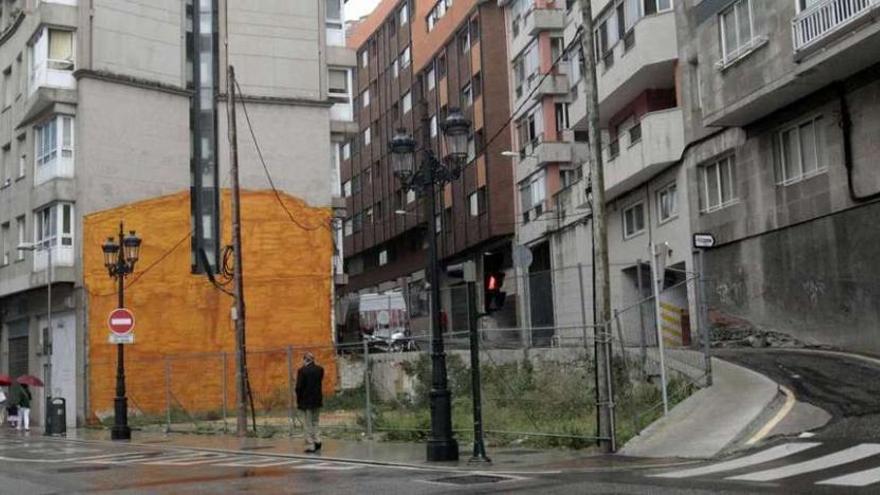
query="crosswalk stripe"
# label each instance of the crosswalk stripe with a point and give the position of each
(192, 459)
(768, 455)
(827, 461)
(861, 478)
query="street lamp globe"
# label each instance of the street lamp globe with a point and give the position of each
(403, 148)
(456, 131)
(131, 245)
(111, 252)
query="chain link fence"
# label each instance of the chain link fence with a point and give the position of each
(538, 383)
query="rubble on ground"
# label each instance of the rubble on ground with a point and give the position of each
(729, 331)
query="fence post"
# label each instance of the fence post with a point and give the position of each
(223, 386)
(290, 390)
(368, 405)
(167, 394)
(620, 338)
(583, 301)
(703, 308)
(657, 281)
(643, 340)
(606, 339)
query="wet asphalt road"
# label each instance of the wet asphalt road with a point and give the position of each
(847, 452)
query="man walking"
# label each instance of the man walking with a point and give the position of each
(24, 408)
(310, 398)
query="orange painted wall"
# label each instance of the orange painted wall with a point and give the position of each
(287, 292)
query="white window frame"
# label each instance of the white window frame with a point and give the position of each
(671, 191)
(815, 122)
(365, 58)
(403, 14)
(54, 159)
(346, 189)
(474, 204)
(714, 167)
(627, 234)
(395, 68)
(346, 151)
(368, 136)
(432, 79)
(743, 47)
(383, 257)
(365, 98)
(405, 58)
(21, 229)
(51, 234)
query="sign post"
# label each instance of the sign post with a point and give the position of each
(702, 242)
(121, 324)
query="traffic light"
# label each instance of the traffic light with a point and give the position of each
(493, 296)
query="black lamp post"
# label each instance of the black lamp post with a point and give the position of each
(120, 257)
(433, 172)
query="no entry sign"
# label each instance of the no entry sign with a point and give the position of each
(121, 324)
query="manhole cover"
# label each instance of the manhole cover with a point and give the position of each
(471, 479)
(82, 469)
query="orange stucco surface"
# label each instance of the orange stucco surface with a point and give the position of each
(184, 334)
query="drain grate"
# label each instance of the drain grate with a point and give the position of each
(82, 469)
(471, 479)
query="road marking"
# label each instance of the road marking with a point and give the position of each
(827, 461)
(203, 458)
(261, 462)
(861, 478)
(786, 408)
(768, 455)
(326, 466)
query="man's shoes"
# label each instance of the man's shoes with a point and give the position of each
(310, 450)
(317, 446)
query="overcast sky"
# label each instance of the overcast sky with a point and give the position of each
(357, 8)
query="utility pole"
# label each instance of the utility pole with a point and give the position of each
(238, 282)
(600, 236)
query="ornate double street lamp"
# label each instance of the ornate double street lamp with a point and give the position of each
(120, 256)
(432, 174)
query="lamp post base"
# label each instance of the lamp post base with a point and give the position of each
(442, 450)
(120, 432)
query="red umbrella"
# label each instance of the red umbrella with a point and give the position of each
(5, 380)
(29, 380)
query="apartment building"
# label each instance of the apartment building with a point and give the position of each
(417, 59)
(642, 127)
(116, 111)
(782, 111)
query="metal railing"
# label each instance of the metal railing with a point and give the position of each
(820, 20)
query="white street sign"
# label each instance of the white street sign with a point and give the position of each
(704, 241)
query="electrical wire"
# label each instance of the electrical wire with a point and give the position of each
(266, 168)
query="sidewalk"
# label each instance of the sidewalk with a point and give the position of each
(710, 420)
(401, 455)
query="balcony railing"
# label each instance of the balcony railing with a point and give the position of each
(824, 18)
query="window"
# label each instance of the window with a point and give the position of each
(477, 85)
(403, 14)
(667, 203)
(525, 69)
(357, 222)
(477, 202)
(635, 133)
(338, 83)
(634, 220)
(365, 58)
(530, 130)
(471, 149)
(432, 80)
(464, 40)
(51, 61)
(405, 58)
(22, 156)
(347, 227)
(333, 23)
(438, 224)
(437, 13)
(798, 151)
(433, 126)
(54, 142)
(718, 185)
(533, 193)
(356, 184)
(5, 239)
(368, 213)
(6, 165)
(346, 189)
(22, 239)
(410, 196)
(367, 136)
(407, 102)
(9, 90)
(47, 222)
(562, 120)
(346, 151)
(441, 66)
(395, 68)
(467, 96)
(736, 30)
(383, 257)
(657, 6)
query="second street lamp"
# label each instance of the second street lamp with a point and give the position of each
(434, 172)
(120, 257)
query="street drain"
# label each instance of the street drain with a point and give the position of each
(471, 479)
(82, 469)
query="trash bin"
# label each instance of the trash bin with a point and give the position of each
(56, 416)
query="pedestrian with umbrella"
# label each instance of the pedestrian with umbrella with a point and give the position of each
(5, 381)
(24, 400)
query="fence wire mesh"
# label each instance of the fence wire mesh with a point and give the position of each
(538, 382)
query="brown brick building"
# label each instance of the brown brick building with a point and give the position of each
(416, 59)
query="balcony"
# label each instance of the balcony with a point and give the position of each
(552, 85)
(660, 144)
(540, 154)
(572, 203)
(828, 20)
(62, 256)
(644, 59)
(539, 20)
